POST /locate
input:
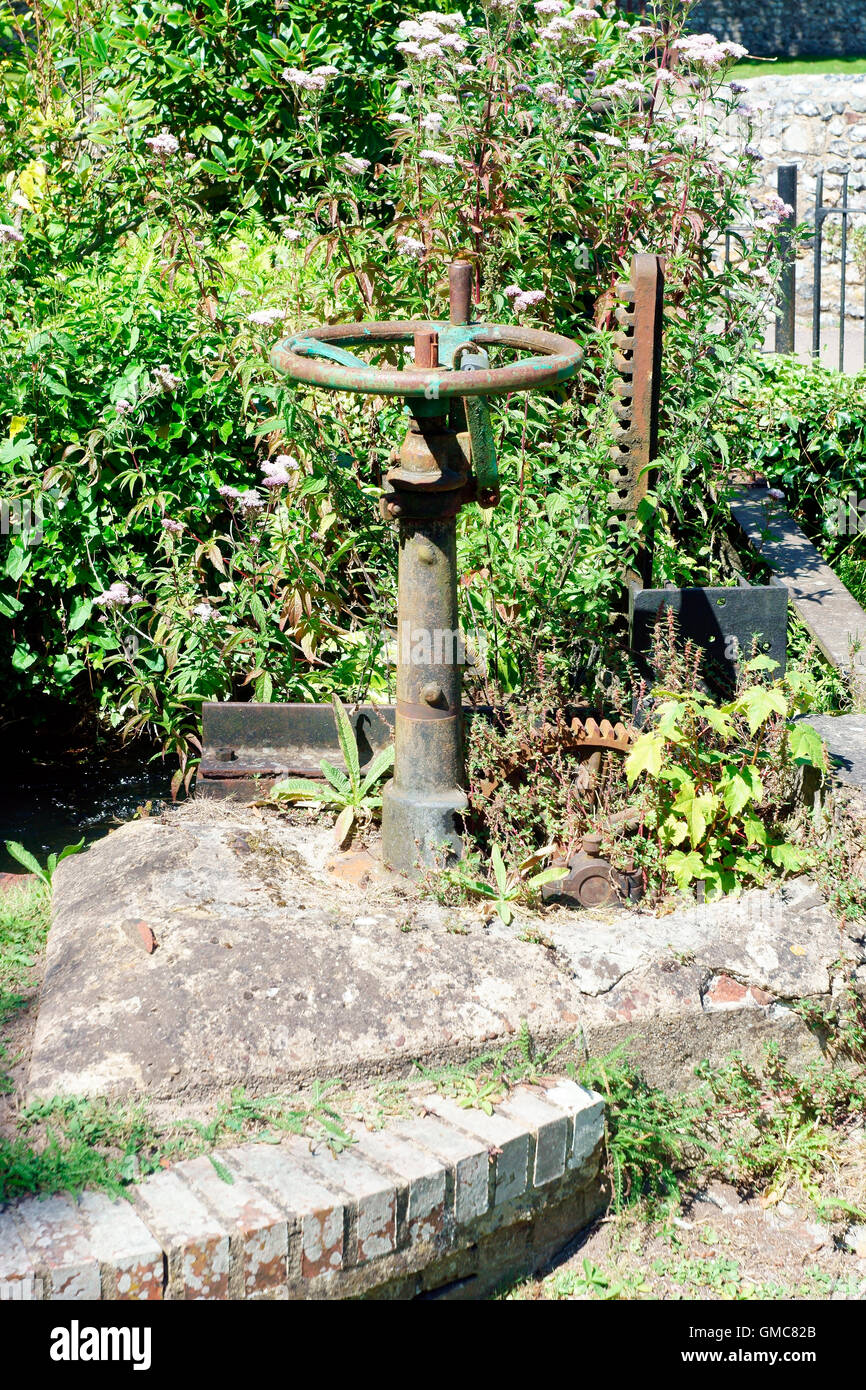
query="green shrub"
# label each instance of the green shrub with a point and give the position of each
(141, 286)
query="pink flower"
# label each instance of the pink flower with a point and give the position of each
(278, 471)
(117, 596)
(9, 234)
(526, 299)
(175, 527)
(266, 318)
(353, 163)
(163, 144)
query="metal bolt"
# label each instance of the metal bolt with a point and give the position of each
(431, 693)
(395, 509)
(426, 553)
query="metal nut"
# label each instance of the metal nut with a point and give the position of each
(431, 693)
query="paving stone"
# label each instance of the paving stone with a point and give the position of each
(317, 1211)
(57, 1244)
(194, 1242)
(258, 1231)
(549, 1126)
(130, 1258)
(507, 1141)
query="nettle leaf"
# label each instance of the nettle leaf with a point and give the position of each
(698, 810)
(807, 746)
(684, 867)
(758, 703)
(739, 788)
(789, 857)
(645, 756)
(755, 831)
(718, 721)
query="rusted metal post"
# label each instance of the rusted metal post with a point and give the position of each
(422, 804)
(638, 364)
(446, 460)
(787, 294)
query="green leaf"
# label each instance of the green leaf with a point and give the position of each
(348, 743)
(645, 756)
(758, 703)
(789, 857)
(338, 780)
(806, 745)
(739, 788)
(684, 867)
(499, 872)
(697, 809)
(221, 1170)
(26, 860)
(551, 875)
(382, 763)
(300, 789)
(755, 831)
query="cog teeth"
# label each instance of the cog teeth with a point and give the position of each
(625, 317)
(622, 411)
(626, 291)
(623, 389)
(624, 365)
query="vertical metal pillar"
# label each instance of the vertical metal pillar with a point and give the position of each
(818, 249)
(843, 282)
(422, 804)
(787, 301)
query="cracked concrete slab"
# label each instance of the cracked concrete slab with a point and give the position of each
(228, 946)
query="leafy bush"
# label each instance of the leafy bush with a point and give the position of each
(175, 197)
(723, 781)
(803, 429)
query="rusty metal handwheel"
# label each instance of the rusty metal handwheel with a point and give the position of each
(318, 357)
(447, 459)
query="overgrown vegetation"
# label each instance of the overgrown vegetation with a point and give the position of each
(209, 532)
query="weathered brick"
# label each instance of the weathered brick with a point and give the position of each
(18, 1276)
(420, 1171)
(549, 1126)
(507, 1141)
(58, 1245)
(374, 1198)
(130, 1258)
(468, 1159)
(586, 1114)
(195, 1244)
(314, 1209)
(258, 1232)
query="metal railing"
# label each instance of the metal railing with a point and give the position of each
(785, 336)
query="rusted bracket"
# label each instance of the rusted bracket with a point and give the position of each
(637, 391)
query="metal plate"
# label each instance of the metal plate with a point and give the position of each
(724, 622)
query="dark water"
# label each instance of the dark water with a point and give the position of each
(47, 807)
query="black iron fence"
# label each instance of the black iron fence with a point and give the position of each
(805, 331)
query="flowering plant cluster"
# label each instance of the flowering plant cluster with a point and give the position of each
(219, 533)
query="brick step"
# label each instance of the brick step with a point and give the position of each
(445, 1204)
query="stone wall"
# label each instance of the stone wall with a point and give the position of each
(817, 123)
(787, 28)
